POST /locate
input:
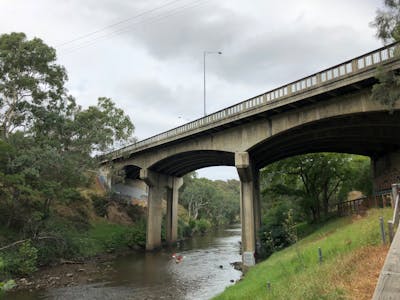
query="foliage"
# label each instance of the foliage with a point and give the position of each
(100, 204)
(387, 21)
(278, 228)
(387, 90)
(313, 181)
(23, 261)
(29, 78)
(47, 147)
(203, 225)
(137, 235)
(6, 285)
(387, 24)
(216, 201)
(27, 259)
(295, 273)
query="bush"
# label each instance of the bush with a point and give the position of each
(100, 204)
(203, 225)
(21, 262)
(184, 230)
(27, 259)
(278, 229)
(137, 236)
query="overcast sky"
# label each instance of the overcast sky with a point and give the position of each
(147, 55)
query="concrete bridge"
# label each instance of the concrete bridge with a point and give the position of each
(329, 111)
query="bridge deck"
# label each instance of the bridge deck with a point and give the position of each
(353, 73)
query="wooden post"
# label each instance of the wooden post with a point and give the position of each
(382, 230)
(391, 232)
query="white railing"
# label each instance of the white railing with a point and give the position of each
(327, 76)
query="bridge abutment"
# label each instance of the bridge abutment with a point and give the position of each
(386, 171)
(250, 213)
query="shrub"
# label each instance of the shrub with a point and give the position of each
(203, 225)
(137, 236)
(100, 204)
(278, 229)
(184, 230)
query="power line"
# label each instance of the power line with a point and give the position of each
(150, 20)
(118, 23)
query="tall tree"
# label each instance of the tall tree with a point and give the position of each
(314, 180)
(29, 78)
(47, 140)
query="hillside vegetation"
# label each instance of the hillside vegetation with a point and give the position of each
(352, 259)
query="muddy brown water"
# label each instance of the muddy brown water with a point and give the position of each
(204, 272)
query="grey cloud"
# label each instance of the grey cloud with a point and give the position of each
(275, 58)
(151, 93)
(188, 34)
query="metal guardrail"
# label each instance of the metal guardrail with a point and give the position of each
(326, 76)
(350, 207)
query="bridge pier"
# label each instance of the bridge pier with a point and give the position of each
(250, 210)
(174, 184)
(156, 183)
(159, 184)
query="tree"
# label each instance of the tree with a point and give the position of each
(387, 23)
(216, 201)
(29, 78)
(47, 141)
(312, 180)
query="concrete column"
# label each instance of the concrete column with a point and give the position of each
(249, 202)
(174, 183)
(157, 183)
(257, 207)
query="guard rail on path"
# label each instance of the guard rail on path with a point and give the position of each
(388, 286)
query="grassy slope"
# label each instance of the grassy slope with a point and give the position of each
(351, 251)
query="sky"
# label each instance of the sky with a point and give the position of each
(147, 55)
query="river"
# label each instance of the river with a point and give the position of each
(204, 272)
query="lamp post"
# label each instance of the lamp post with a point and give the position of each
(204, 74)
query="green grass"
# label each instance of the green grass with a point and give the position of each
(295, 273)
(105, 237)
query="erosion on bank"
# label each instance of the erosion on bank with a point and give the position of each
(352, 259)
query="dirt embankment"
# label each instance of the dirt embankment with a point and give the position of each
(69, 273)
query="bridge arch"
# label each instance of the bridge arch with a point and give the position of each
(185, 162)
(132, 171)
(327, 111)
(372, 134)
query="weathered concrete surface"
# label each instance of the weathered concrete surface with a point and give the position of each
(386, 170)
(388, 287)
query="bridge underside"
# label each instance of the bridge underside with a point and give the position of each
(183, 163)
(374, 134)
(370, 134)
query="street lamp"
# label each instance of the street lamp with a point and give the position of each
(204, 74)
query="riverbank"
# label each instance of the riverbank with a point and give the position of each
(204, 272)
(352, 256)
(69, 273)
